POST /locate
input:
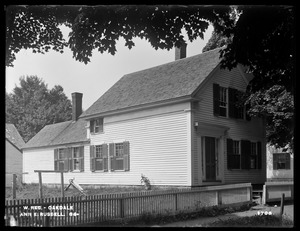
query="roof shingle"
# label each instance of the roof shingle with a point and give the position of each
(12, 134)
(168, 81)
(60, 133)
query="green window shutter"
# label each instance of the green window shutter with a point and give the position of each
(259, 156)
(111, 155)
(229, 152)
(245, 154)
(92, 126)
(287, 161)
(81, 151)
(92, 157)
(105, 157)
(126, 156)
(216, 98)
(55, 159)
(231, 102)
(275, 160)
(68, 159)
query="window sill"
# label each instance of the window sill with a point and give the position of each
(229, 118)
(100, 171)
(243, 169)
(76, 171)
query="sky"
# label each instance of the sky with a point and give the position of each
(96, 77)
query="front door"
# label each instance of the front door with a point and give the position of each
(210, 158)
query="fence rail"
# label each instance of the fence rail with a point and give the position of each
(98, 208)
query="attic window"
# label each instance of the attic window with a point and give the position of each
(96, 125)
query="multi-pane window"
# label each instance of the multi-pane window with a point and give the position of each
(233, 153)
(96, 125)
(61, 159)
(76, 158)
(223, 101)
(243, 154)
(281, 161)
(99, 151)
(119, 150)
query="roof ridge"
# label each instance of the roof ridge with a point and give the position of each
(178, 60)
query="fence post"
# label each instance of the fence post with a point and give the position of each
(282, 204)
(176, 201)
(264, 196)
(47, 218)
(122, 207)
(14, 185)
(40, 185)
(62, 185)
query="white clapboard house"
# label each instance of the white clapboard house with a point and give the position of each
(175, 123)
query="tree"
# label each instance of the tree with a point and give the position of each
(32, 106)
(260, 37)
(99, 27)
(263, 40)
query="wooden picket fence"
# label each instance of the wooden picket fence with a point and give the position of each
(71, 211)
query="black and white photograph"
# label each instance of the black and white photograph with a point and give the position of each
(149, 115)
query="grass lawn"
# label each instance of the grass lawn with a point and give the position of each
(31, 191)
(254, 221)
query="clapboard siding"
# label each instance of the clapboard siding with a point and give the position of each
(238, 129)
(13, 162)
(158, 149)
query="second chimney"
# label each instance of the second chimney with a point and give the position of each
(76, 105)
(180, 52)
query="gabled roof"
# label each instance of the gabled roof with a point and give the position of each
(12, 134)
(168, 81)
(59, 134)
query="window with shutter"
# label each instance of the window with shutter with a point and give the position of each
(101, 158)
(119, 154)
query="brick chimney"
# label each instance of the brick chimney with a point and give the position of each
(76, 105)
(180, 52)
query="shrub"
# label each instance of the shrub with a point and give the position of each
(146, 182)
